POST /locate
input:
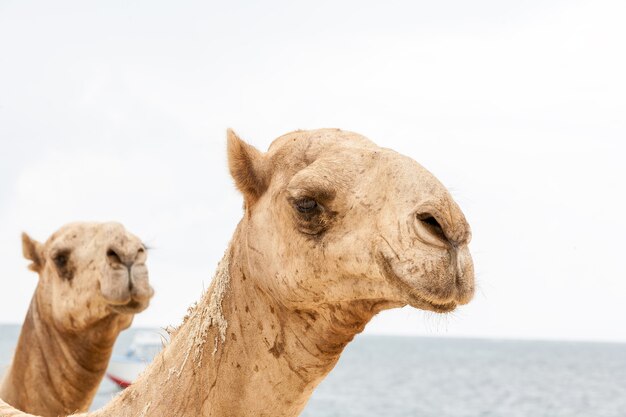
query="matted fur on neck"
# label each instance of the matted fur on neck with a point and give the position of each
(205, 314)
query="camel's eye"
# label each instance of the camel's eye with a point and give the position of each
(312, 217)
(306, 205)
(60, 260)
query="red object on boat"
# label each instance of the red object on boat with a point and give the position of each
(120, 382)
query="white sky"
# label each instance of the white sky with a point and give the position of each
(117, 111)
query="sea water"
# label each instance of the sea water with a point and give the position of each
(382, 376)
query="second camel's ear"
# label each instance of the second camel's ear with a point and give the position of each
(246, 164)
(33, 251)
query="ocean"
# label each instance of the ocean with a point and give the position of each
(383, 376)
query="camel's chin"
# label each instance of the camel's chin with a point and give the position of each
(412, 296)
(132, 307)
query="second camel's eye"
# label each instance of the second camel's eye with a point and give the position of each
(60, 260)
(306, 205)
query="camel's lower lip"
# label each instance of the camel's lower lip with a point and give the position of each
(414, 299)
(132, 306)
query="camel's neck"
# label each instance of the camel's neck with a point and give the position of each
(55, 373)
(245, 356)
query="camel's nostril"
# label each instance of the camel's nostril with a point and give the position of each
(113, 256)
(431, 221)
(116, 257)
(432, 225)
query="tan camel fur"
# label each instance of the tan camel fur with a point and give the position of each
(335, 230)
(92, 280)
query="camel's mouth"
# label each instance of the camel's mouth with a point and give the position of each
(413, 297)
(131, 307)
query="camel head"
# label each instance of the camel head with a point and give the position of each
(88, 272)
(330, 217)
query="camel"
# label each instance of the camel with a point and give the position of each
(92, 281)
(335, 229)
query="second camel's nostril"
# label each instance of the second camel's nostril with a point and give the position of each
(115, 258)
(432, 225)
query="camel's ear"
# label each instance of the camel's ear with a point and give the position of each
(246, 167)
(33, 251)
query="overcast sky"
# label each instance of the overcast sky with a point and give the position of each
(118, 111)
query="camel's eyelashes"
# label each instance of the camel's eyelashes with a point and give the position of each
(306, 205)
(312, 218)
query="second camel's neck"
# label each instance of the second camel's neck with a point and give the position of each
(54, 373)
